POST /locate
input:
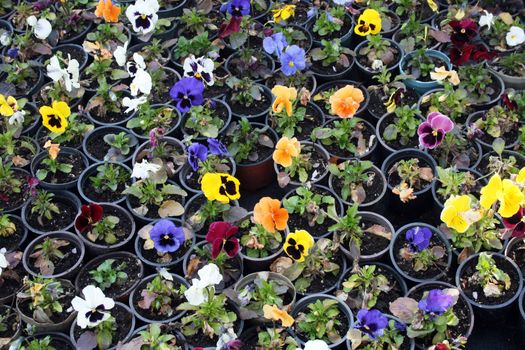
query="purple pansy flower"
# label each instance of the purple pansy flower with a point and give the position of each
(167, 237)
(436, 302)
(432, 131)
(187, 93)
(312, 12)
(292, 60)
(239, 8)
(196, 152)
(12, 52)
(217, 148)
(418, 238)
(275, 43)
(371, 322)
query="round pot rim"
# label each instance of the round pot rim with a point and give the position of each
(431, 53)
(481, 115)
(384, 143)
(393, 67)
(101, 130)
(38, 158)
(273, 133)
(398, 277)
(89, 171)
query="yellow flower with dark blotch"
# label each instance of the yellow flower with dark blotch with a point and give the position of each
(504, 191)
(55, 117)
(368, 23)
(221, 187)
(8, 106)
(275, 314)
(284, 96)
(298, 245)
(283, 13)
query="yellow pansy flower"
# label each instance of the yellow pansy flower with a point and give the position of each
(284, 96)
(8, 106)
(55, 117)
(432, 4)
(283, 13)
(521, 176)
(298, 245)
(504, 191)
(221, 187)
(454, 213)
(368, 23)
(276, 314)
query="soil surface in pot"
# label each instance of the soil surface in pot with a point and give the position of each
(463, 189)
(132, 269)
(517, 254)
(219, 110)
(363, 60)
(62, 219)
(11, 242)
(151, 254)
(71, 255)
(303, 129)
(413, 142)
(153, 209)
(373, 189)
(204, 341)
(470, 289)
(345, 29)
(465, 157)
(56, 343)
(59, 177)
(371, 243)
(510, 137)
(341, 328)
(11, 321)
(317, 159)
(16, 199)
(257, 107)
(231, 271)
(107, 195)
(12, 282)
(394, 179)
(122, 320)
(153, 315)
(366, 132)
(98, 148)
(56, 317)
(377, 106)
(216, 89)
(416, 72)
(321, 283)
(438, 267)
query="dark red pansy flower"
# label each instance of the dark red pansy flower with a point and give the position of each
(231, 27)
(511, 105)
(516, 223)
(89, 215)
(441, 346)
(482, 54)
(459, 56)
(221, 236)
(463, 31)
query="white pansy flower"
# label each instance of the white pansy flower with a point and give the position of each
(377, 65)
(141, 83)
(69, 76)
(225, 338)
(200, 68)
(515, 36)
(486, 20)
(143, 15)
(137, 64)
(209, 276)
(5, 38)
(120, 54)
(93, 309)
(133, 104)
(195, 294)
(17, 118)
(316, 345)
(165, 274)
(144, 169)
(41, 27)
(3, 261)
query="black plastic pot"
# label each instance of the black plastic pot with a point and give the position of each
(58, 340)
(256, 117)
(100, 132)
(187, 172)
(487, 147)
(135, 294)
(142, 151)
(11, 208)
(67, 46)
(435, 184)
(481, 167)
(165, 330)
(202, 138)
(169, 132)
(57, 235)
(228, 65)
(411, 342)
(341, 84)
(37, 160)
(172, 11)
(346, 38)
(69, 197)
(317, 119)
(380, 127)
(93, 117)
(367, 72)
(21, 230)
(92, 171)
(436, 233)
(302, 305)
(496, 311)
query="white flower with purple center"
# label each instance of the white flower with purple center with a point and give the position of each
(200, 68)
(143, 15)
(93, 309)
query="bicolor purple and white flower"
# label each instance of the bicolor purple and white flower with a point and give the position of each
(200, 68)
(432, 131)
(143, 15)
(93, 309)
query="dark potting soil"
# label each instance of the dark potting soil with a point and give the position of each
(98, 148)
(394, 179)
(317, 67)
(107, 195)
(153, 209)
(435, 61)
(345, 29)
(68, 34)
(371, 243)
(263, 152)
(110, 117)
(432, 271)
(170, 4)
(517, 254)
(341, 328)
(298, 222)
(160, 91)
(510, 137)
(122, 321)
(372, 191)
(65, 301)
(14, 200)
(31, 82)
(66, 215)
(413, 142)
(10, 285)
(13, 241)
(216, 89)
(316, 158)
(219, 110)
(376, 105)
(469, 288)
(463, 158)
(71, 255)
(196, 206)
(151, 255)
(257, 107)
(132, 269)
(231, 271)
(204, 341)
(422, 11)
(59, 177)
(74, 52)
(461, 310)
(363, 60)
(301, 13)
(483, 165)
(463, 189)
(385, 298)
(322, 283)
(76, 142)
(392, 21)
(11, 321)
(335, 150)
(123, 229)
(154, 315)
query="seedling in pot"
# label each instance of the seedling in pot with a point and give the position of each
(378, 53)
(420, 252)
(165, 239)
(161, 296)
(315, 207)
(44, 206)
(10, 185)
(478, 82)
(298, 161)
(7, 226)
(19, 150)
(46, 298)
(154, 337)
(320, 321)
(495, 282)
(276, 338)
(404, 126)
(453, 182)
(48, 253)
(332, 54)
(8, 264)
(107, 275)
(354, 176)
(329, 21)
(245, 92)
(364, 286)
(97, 227)
(203, 122)
(245, 140)
(286, 112)
(412, 178)
(121, 145)
(498, 121)
(373, 330)
(107, 104)
(207, 159)
(51, 164)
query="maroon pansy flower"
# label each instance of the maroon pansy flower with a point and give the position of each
(221, 236)
(463, 31)
(461, 55)
(516, 223)
(89, 215)
(483, 54)
(511, 105)
(233, 26)
(432, 131)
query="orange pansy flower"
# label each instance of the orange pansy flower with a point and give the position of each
(285, 150)
(270, 215)
(283, 99)
(106, 9)
(276, 314)
(52, 149)
(346, 101)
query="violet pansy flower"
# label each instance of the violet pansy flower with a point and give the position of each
(418, 238)
(436, 302)
(217, 148)
(167, 237)
(432, 131)
(275, 44)
(293, 60)
(187, 93)
(372, 322)
(196, 152)
(238, 8)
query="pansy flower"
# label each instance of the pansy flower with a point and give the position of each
(134, 66)
(345, 102)
(221, 187)
(52, 149)
(187, 93)
(268, 213)
(515, 36)
(418, 238)
(461, 55)
(93, 309)
(457, 213)
(8, 106)
(432, 131)
(284, 96)
(463, 31)
(238, 8)
(368, 23)
(487, 19)
(142, 83)
(505, 192)
(217, 148)
(166, 236)
(55, 117)
(221, 235)
(3, 260)
(516, 223)
(275, 44)
(68, 76)
(285, 150)
(107, 10)
(371, 322)
(441, 73)
(143, 15)
(275, 314)
(436, 302)
(282, 13)
(293, 60)
(41, 27)
(196, 153)
(89, 215)
(200, 68)
(298, 244)
(227, 28)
